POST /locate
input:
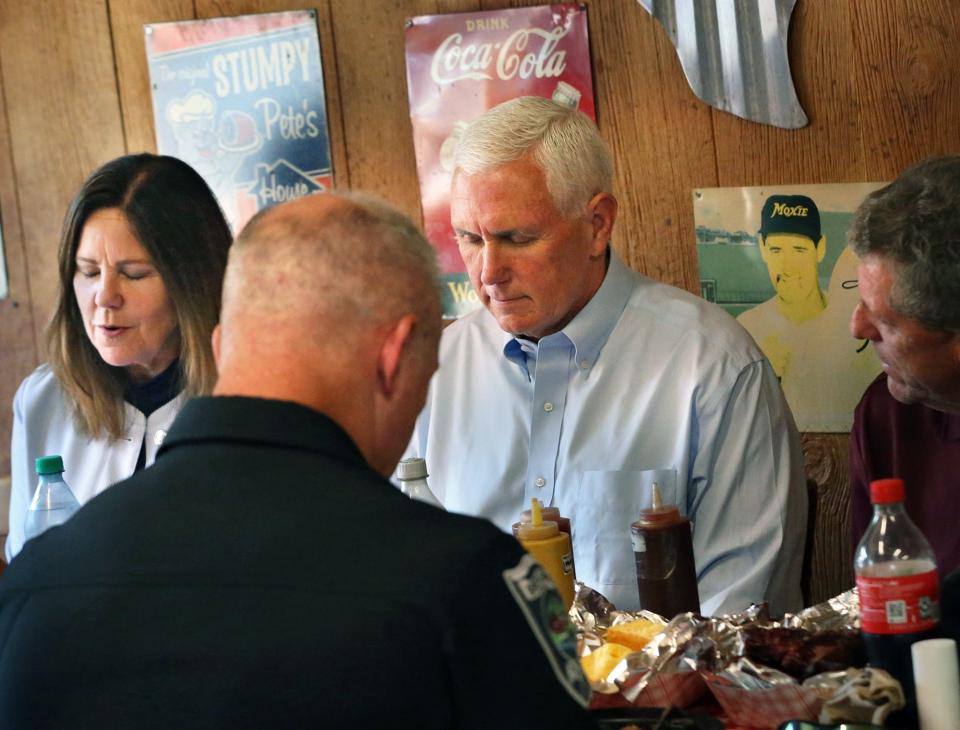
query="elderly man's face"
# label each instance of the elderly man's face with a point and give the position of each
(792, 262)
(532, 268)
(922, 365)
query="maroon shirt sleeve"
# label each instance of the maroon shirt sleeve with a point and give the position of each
(918, 444)
(861, 511)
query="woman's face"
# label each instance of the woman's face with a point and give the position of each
(126, 311)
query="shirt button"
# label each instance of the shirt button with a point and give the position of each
(548, 406)
(584, 364)
(159, 436)
(540, 481)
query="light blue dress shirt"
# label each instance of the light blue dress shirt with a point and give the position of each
(647, 383)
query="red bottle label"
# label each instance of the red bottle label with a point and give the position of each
(901, 604)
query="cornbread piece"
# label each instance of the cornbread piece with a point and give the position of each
(635, 634)
(600, 663)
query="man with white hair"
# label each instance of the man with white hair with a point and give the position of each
(264, 573)
(581, 382)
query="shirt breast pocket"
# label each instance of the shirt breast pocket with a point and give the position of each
(607, 503)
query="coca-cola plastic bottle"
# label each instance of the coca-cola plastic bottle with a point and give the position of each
(898, 589)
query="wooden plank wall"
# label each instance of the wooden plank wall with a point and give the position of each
(878, 80)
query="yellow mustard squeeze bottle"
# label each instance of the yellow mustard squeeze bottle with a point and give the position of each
(550, 547)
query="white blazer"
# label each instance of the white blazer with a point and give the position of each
(43, 426)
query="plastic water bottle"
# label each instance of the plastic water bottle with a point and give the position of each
(412, 474)
(53, 503)
(898, 588)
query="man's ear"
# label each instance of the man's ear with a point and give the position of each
(603, 214)
(391, 349)
(821, 249)
(215, 342)
(764, 252)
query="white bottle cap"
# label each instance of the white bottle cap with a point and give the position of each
(937, 681)
(414, 468)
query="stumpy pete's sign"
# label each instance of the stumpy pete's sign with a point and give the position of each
(242, 101)
(462, 64)
(260, 68)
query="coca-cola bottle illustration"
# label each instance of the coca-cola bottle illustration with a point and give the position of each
(898, 588)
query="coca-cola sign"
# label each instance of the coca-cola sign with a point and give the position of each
(461, 64)
(516, 57)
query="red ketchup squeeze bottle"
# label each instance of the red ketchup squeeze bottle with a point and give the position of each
(663, 551)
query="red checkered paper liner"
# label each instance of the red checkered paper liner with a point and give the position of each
(665, 689)
(679, 689)
(765, 708)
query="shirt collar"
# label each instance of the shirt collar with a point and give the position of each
(260, 422)
(519, 351)
(147, 397)
(589, 330)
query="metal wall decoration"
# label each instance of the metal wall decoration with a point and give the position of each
(459, 65)
(734, 55)
(794, 295)
(241, 100)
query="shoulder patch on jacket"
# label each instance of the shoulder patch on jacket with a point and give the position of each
(546, 615)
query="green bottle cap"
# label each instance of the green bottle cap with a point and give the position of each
(49, 464)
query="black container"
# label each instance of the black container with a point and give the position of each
(892, 653)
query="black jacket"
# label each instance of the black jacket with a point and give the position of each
(261, 575)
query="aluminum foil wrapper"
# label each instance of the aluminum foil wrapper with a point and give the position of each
(865, 695)
(753, 694)
(686, 644)
(713, 647)
(837, 614)
(664, 656)
(840, 612)
(590, 609)
(592, 614)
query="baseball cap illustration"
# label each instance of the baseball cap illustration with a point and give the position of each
(796, 214)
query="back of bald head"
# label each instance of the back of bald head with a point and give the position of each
(319, 271)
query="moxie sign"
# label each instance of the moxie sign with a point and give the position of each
(461, 64)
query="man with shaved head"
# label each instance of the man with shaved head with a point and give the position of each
(264, 573)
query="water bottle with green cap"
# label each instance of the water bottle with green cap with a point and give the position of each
(53, 503)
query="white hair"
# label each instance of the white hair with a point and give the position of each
(565, 143)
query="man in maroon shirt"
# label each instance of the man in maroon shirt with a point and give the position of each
(907, 425)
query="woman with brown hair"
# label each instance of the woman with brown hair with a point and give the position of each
(141, 263)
